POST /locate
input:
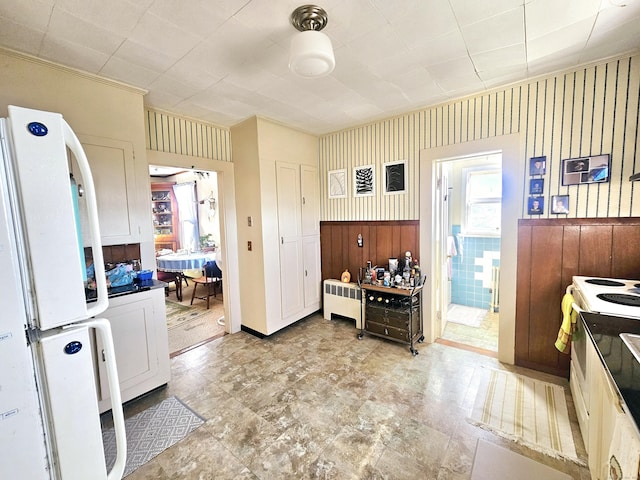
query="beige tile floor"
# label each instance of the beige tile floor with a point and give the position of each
(313, 401)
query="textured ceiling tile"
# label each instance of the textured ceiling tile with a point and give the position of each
(472, 11)
(35, 13)
(71, 28)
(19, 37)
(72, 54)
(507, 28)
(127, 72)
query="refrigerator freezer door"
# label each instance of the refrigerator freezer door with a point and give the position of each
(23, 452)
(46, 207)
(69, 384)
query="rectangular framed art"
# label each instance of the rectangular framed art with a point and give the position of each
(364, 181)
(536, 186)
(395, 178)
(576, 171)
(337, 183)
(560, 204)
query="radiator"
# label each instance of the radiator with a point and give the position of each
(342, 299)
(495, 289)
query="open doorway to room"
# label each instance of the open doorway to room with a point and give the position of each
(468, 220)
(186, 227)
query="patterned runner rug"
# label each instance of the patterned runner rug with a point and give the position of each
(528, 411)
(152, 431)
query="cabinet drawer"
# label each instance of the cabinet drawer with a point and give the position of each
(397, 319)
(387, 331)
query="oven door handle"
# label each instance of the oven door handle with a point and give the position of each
(570, 290)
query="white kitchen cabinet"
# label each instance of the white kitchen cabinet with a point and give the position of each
(298, 227)
(139, 328)
(604, 407)
(113, 170)
(310, 196)
(312, 270)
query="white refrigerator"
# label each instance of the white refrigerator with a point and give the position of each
(49, 420)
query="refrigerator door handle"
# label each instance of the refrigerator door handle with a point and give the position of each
(72, 142)
(103, 328)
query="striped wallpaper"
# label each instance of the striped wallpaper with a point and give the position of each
(590, 111)
(170, 133)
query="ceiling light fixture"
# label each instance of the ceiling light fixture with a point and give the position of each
(311, 52)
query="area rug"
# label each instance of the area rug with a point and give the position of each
(152, 431)
(464, 315)
(493, 462)
(189, 326)
(178, 314)
(530, 412)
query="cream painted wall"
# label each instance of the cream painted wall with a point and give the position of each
(248, 200)
(257, 145)
(92, 106)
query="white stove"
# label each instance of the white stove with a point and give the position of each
(608, 296)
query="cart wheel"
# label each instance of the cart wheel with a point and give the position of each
(360, 336)
(414, 352)
(421, 339)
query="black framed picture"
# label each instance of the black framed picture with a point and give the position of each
(537, 166)
(395, 178)
(576, 171)
(536, 186)
(536, 205)
(560, 204)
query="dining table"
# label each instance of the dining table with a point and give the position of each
(181, 262)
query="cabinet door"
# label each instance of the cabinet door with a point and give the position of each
(291, 274)
(134, 338)
(112, 169)
(310, 200)
(288, 197)
(312, 277)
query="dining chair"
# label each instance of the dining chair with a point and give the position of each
(212, 280)
(169, 277)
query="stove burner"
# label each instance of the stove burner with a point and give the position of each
(604, 282)
(620, 299)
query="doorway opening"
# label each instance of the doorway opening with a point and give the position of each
(187, 242)
(468, 222)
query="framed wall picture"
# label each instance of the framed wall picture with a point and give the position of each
(364, 181)
(395, 178)
(536, 206)
(576, 171)
(560, 204)
(537, 166)
(337, 183)
(536, 186)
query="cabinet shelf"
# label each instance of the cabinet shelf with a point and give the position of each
(165, 216)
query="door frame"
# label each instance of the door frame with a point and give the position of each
(228, 225)
(512, 149)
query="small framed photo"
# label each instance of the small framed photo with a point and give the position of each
(536, 205)
(537, 166)
(576, 171)
(536, 186)
(560, 204)
(337, 183)
(364, 181)
(395, 178)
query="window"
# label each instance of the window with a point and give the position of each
(482, 207)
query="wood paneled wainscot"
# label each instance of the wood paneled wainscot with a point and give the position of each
(550, 253)
(381, 241)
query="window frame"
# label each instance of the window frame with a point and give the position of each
(467, 174)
